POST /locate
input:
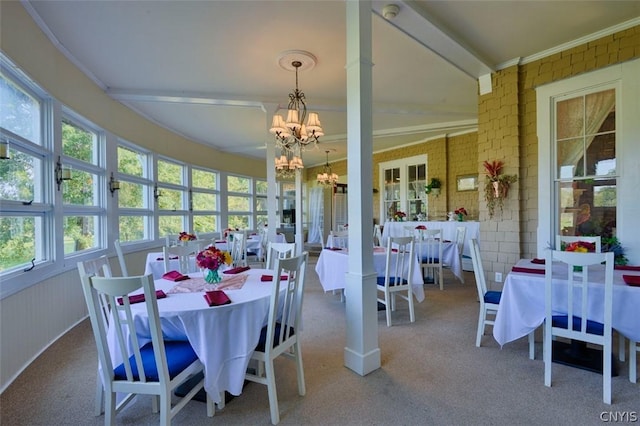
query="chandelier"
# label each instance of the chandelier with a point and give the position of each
(294, 135)
(327, 177)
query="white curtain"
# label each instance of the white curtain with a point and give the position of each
(316, 211)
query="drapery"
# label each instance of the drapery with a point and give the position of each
(316, 212)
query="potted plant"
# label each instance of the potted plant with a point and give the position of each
(496, 185)
(434, 187)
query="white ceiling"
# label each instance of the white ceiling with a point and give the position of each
(208, 69)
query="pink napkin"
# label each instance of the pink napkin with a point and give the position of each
(270, 277)
(538, 261)
(175, 276)
(221, 241)
(626, 267)
(527, 270)
(216, 298)
(237, 270)
(162, 258)
(333, 248)
(137, 298)
(632, 280)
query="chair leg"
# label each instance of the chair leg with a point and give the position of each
(439, 272)
(165, 408)
(480, 332)
(412, 314)
(546, 354)
(109, 408)
(387, 303)
(621, 347)
(271, 390)
(633, 369)
(302, 390)
(99, 396)
(532, 345)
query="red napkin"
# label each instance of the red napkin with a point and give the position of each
(333, 248)
(270, 277)
(162, 258)
(175, 276)
(394, 250)
(527, 270)
(137, 298)
(626, 267)
(216, 298)
(446, 241)
(632, 280)
(221, 241)
(237, 270)
(538, 261)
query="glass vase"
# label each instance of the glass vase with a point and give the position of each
(212, 276)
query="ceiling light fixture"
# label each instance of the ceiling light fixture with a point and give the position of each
(327, 177)
(294, 135)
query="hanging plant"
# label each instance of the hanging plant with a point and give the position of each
(497, 185)
(433, 187)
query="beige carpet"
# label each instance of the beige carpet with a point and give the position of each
(431, 374)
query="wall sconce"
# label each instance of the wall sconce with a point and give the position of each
(156, 192)
(62, 173)
(4, 150)
(114, 185)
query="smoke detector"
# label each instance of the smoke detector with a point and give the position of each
(390, 11)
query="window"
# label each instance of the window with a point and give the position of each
(404, 183)
(135, 205)
(173, 198)
(204, 200)
(239, 202)
(261, 202)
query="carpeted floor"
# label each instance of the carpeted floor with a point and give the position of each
(431, 374)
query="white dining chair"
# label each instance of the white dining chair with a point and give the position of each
(279, 251)
(429, 251)
(123, 264)
(377, 236)
(489, 300)
(397, 279)
(281, 335)
(155, 368)
(567, 304)
(183, 253)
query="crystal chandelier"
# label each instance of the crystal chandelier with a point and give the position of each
(327, 177)
(293, 135)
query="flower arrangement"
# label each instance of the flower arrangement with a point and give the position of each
(399, 216)
(579, 247)
(228, 231)
(212, 259)
(497, 185)
(185, 236)
(461, 212)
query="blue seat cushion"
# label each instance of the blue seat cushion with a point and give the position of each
(593, 327)
(179, 355)
(434, 260)
(392, 280)
(492, 297)
(262, 343)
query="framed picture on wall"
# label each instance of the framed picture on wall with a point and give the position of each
(467, 182)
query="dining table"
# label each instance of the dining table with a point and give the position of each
(154, 263)
(333, 264)
(522, 305)
(223, 337)
(450, 257)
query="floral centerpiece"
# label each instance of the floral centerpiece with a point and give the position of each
(421, 229)
(461, 213)
(399, 216)
(227, 232)
(185, 236)
(212, 259)
(578, 247)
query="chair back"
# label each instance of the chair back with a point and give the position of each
(478, 270)
(238, 248)
(399, 263)
(98, 266)
(377, 235)
(123, 264)
(429, 246)
(210, 236)
(183, 253)
(572, 239)
(285, 306)
(340, 238)
(461, 233)
(279, 251)
(583, 283)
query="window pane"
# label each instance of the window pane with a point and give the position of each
(79, 143)
(261, 204)
(205, 223)
(262, 219)
(131, 228)
(169, 172)
(131, 195)
(79, 233)
(203, 201)
(19, 112)
(238, 184)
(18, 177)
(570, 118)
(601, 155)
(170, 225)
(570, 158)
(18, 241)
(239, 221)
(588, 207)
(261, 187)
(80, 190)
(238, 204)
(203, 179)
(170, 200)
(131, 162)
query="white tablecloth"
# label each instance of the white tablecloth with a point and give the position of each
(223, 337)
(396, 229)
(521, 308)
(333, 265)
(450, 257)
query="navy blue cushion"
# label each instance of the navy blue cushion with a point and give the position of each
(380, 280)
(179, 355)
(434, 260)
(262, 343)
(593, 327)
(492, 297)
